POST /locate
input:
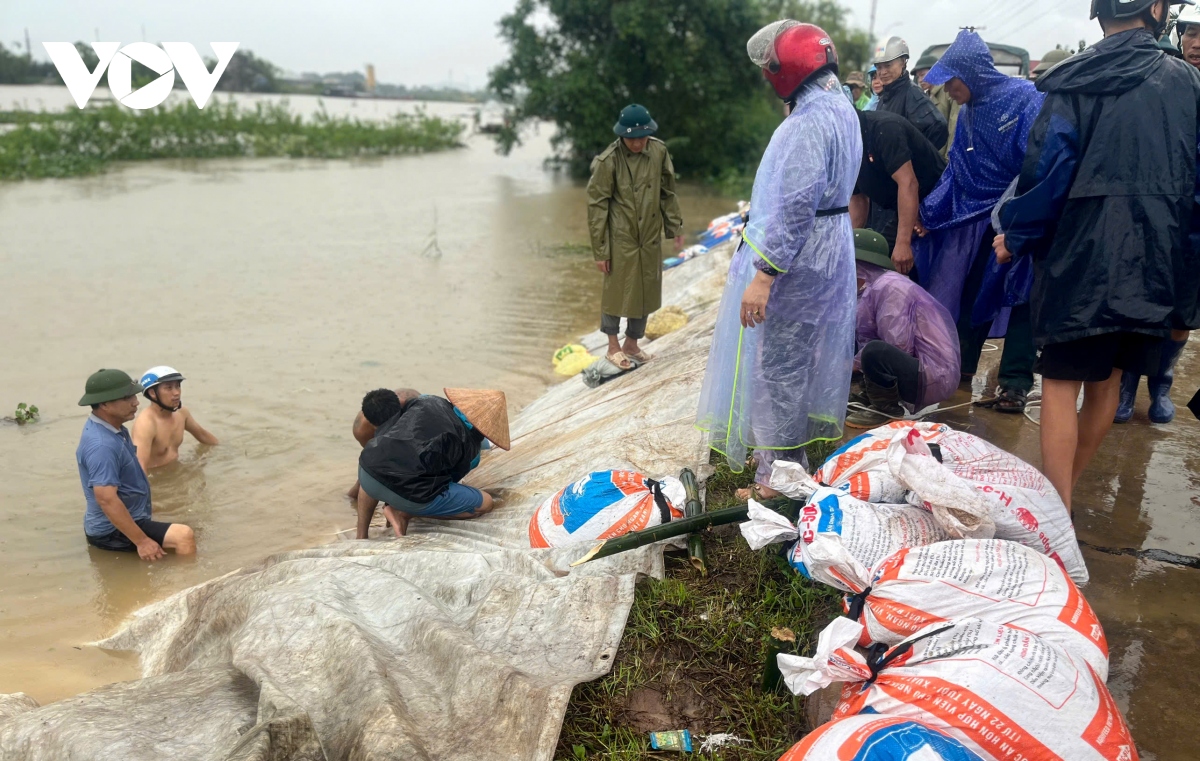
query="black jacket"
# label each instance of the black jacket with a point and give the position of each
(422, 450)
(1107, 191)
(906, 98)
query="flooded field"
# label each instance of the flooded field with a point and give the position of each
(283, 290)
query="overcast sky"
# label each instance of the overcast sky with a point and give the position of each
(436, 41)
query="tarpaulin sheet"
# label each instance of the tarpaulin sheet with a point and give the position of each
(457, 642)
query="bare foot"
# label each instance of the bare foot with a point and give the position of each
(352, 495)
(397, 520)
(758, 491)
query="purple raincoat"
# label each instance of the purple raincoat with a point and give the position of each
(896, 310)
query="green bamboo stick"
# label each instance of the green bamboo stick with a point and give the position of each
(693, 507)
(635, 539)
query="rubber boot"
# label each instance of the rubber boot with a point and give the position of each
(885, 406)
(1162, 409)
(1129, 387)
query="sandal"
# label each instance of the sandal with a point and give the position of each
(1010, 401)
(620, 360)
(641, 357)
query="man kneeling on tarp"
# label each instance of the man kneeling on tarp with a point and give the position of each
(422, 449)
(908, 347)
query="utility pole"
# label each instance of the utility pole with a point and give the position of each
(871, 27)
(28, 49)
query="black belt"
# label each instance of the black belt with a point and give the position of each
(833, 212)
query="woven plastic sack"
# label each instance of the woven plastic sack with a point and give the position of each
(666, 320)
(993, 579)
(1023, 503)
(571, 360)
(606, 504)
(1003, 692)
(854, 531)
(860, 467)
(877, 738)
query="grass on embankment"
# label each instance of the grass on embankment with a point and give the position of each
(78, 142)
(694, 648)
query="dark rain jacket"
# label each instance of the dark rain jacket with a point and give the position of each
(631, 206)
(422, 450)
(906, 98)
(1106, 195)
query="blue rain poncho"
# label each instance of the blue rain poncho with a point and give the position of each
(988, 150)
(784, 383)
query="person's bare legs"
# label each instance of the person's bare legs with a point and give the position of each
(1060, 434)
(1071, 439)
(180, 538)
(630, 346)
(398, 520)
(1100, 402)
(366, 510)
(352, 495)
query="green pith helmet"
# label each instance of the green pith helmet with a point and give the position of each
(635, 121)
(872, 248)
(925, 62)
(108, 386)
(1050, 60)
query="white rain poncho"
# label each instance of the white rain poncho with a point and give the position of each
(784, 383)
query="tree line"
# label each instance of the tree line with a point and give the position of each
(576, 63)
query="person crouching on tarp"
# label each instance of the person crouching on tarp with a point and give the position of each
(779, 369)
(420, 452)
(907, 346)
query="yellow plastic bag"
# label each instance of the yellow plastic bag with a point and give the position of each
(666, 320)
(571, 360)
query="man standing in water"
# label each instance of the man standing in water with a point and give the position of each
(158, 431)
(783, 348)
(118, 515)
(631, 206)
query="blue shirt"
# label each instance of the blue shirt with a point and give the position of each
(107, 457)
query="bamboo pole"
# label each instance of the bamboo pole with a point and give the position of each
(693, 507)
(635, 539)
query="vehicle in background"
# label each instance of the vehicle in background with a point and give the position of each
(1009, 59)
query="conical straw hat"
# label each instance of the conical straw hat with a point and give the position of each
(487, 410)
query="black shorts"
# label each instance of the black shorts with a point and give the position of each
(1094, 358)
(118, 542)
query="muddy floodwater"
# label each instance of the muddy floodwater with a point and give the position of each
(283, 290)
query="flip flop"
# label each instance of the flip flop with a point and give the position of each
(641, 357)
(620, 360)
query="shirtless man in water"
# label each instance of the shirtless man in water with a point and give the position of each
(158, 430)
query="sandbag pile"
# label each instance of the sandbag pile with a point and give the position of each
(965, 633)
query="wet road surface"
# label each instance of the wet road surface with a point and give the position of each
(1142, 491)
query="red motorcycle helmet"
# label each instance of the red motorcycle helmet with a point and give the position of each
(798, 53)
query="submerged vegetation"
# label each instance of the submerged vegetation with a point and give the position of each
(77, 142)
(694, 650)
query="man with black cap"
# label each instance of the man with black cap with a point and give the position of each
(1103, 209)
(118, 515)
(631, 206)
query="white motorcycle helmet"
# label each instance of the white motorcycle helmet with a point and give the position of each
(155, 376)
(1189, 15)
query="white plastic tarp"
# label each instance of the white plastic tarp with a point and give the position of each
(457, 642)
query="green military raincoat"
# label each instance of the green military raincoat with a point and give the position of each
(949, 109)
(631, 206)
